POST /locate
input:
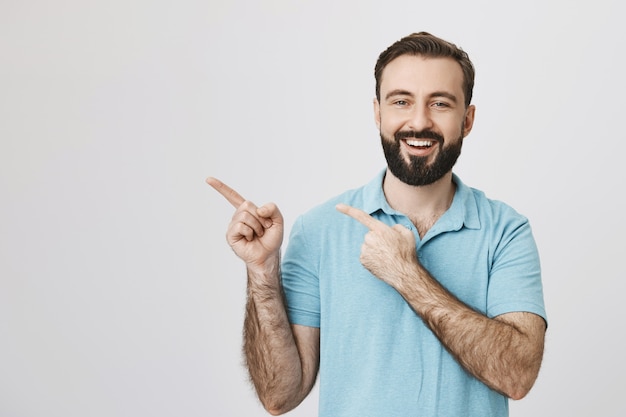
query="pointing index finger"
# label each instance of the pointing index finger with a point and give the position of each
(229, 194)
(362, 217)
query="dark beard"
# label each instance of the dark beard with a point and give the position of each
(418, 172)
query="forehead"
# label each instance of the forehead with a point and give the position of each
(422, 74)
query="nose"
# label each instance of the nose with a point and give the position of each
(420, 118)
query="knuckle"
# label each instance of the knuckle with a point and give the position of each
(247, 205)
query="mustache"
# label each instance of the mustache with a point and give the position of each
(422, 134)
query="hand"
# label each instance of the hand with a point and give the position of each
(387, 252)
(254, 233)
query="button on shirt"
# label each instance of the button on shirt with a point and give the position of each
(377, 357)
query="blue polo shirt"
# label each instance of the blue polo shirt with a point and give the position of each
(377, 357)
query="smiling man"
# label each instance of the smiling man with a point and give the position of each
(414, 295)
(420, 108)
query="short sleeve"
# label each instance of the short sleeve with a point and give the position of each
(515, 277)
(300, 278)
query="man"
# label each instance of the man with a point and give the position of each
(414, 295)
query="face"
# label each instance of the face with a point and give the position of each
(422, 117)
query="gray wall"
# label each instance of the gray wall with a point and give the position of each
(118, 293)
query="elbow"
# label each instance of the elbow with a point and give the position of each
(518, 390)
(518, 384)
(277, 411)
(276, 408)
(277, 404)
(518, 394)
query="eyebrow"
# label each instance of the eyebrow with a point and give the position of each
(399, 92)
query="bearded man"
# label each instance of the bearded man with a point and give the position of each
(414, 295)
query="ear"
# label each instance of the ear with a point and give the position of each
(468, 122)
(377, 113)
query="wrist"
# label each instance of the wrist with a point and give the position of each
(266, 272)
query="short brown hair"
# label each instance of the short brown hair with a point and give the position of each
(425, 44)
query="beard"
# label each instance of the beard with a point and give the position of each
(417, 171)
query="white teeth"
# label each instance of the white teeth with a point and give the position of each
(415, 142)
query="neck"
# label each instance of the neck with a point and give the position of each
(422, 204)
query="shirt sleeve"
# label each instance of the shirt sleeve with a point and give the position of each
(515, 277)
(300, 278)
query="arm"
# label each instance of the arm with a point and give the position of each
(504, 352)
(282, 360)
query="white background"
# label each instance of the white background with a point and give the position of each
(118, 293)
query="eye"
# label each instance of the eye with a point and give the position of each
(401, 103)
(441, 104)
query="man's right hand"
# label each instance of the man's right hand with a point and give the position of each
(255, 233)
(282, 359)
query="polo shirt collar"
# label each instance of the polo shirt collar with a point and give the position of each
(462, 212)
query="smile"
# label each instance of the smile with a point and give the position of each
(420, 143)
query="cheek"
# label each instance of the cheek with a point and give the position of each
(461, 130)
(390, 125)
(453, 130)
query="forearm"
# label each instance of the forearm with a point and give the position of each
(282, 362)
(504, 356)
(270, 349)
